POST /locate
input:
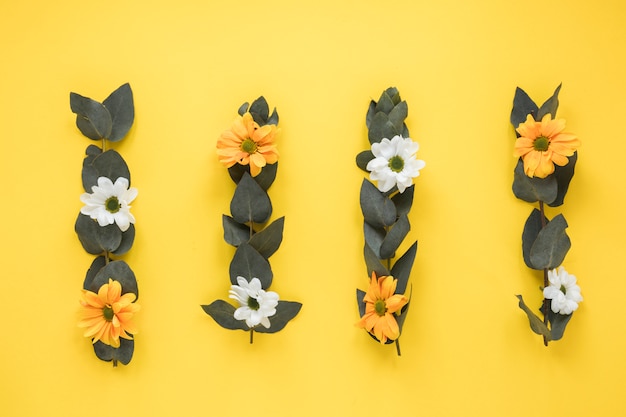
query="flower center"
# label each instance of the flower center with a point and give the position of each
(396, 163)
(248, 146)
(108, 313)
(380, 307)
(253, 303)
(112, 204)
(563, 289)
(541, 144)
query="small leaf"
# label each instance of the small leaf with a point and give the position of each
(363, 158)
(551, 245)
(395, 237)
(117, 271)
(401, 270)
(259, 111)
(267, 176)
(234, 233)
(385, 103)
(359, 300)
(398, 114)
(378, 210)
(550, 105)
(522, 107)
(122, 110)
(250, 202)
(243, 108)
(285, 311)
(374, 237)
(532, 227)
(224, 314)
(533, 189)
(109, 237)
(97, 264)
(92, 118)
(128, 238)
(372, 263)
(371, 112)
(268, 240)
(123, 354)
(87, 231)
(108, 164)
(249, 263)
(404, 201)
(380, 128)
(273, 120)
(558, 322)
(536, 324)
(563, 177)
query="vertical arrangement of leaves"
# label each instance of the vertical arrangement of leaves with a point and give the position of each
(383, 308)
(249, 153)
(105, 227)
(547, 158)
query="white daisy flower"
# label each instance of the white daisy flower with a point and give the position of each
(109, 203)
(563, 291)
(394, 163)
(256, 304)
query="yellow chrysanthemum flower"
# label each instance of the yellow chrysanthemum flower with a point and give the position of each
(108, 315)
(380, 305)
(247, 143)
(543, 144)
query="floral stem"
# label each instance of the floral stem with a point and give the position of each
(106, 257)
(545, 275)
(251, 336)
(398, 346)
(104, 144)
(115, 363)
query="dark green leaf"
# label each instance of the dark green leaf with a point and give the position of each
(90, 173)
(533, 189)
(224, 314)
(234, 233)
(259, 110)
(97, 264)
(532, 227)
(394, 94)
(558, 323)
(404, 201)
(359, 300)
(250, 202)
(371, 111)
(563, 177)
(273, 120)
(285, 311)
(87, 231)
(380, 128)
(128, 238)
(374, 237)
(536, 324)
(385, 103)
(117, 271)
(372, 263)
(92, 118)
(267, 176)
(551, 244)
(522, 106)
(108, 164)
(398, 114)
(243, 108)
(378, 210)
(123, 354)
(122, 110)
(395, 237)
(249, 263)
(401, 270)
(109, 237)
(268, 240)
(550, 105)
(363, 158)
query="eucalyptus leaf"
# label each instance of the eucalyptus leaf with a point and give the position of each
(398, 114)
(558, 322)
(117, 271)
(273, 119)
(250, 202)
(122, 110)
(394, 94)
(371, 111)
(268, 240)
(536, 324)
(267, 176)
(92, 118)
(550, 105)
(259, 111)
(563, 177)
(285, 311)
(401, 270)
(532, 227)
(87, 231)
(385, 103)
(533, 189)
(372, 262)
(110, 164)
(224, 314)
(378, 210)
(523, 105)
(234, 233)
(359, 300)
(109, 237)
(394, 238)
(374, 237)
(123, 354)
(97, 264)
(249, 263)
(363, 158)
(243, 108)
(89, 173)
(128, 238)
(404, 201)
(380, 128)
(551, 245)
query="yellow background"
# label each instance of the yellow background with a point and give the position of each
(467, 348)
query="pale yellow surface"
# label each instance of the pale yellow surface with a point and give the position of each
(467, 348)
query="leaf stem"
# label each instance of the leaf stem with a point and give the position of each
(398, 346)
(251, 336)
(545, 275)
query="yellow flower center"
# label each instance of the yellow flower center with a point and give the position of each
(396, 164)
(248, 146)
(112, 204)
(541, 144)
(253, 303)
(563, 289)
(108, 313)
(380, 307)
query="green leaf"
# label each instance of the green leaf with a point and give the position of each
(380, 128)
(385, 103)
(108, 164)
(273, 120)
(97, 264)
(522, 107)
(259, 111)
(234, 233)
(128, 238)
(123, 354)
(363, 158)
(268, 240)
(285, 311)
(117, 271)
(401, 270)
(563, 177)
(371, 112)
(550, 105)
(89, 173)
(224, 314)
(395, 237)
(359, 300)
(532, 227)
(558, 322)
(551, 245)
(265, 178)
(92, 118)
(404, 201)
(372, 263)
(250, 202)
(122, 110)
(378, 210)
(374, 237)
(398, 114)
(249, 263)
(243, 108)
(87, 231)
(536, 324)
(533, 189)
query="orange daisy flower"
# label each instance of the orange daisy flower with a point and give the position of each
(247, 143)
(107, 316)
(543, 144)
(380, 305)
